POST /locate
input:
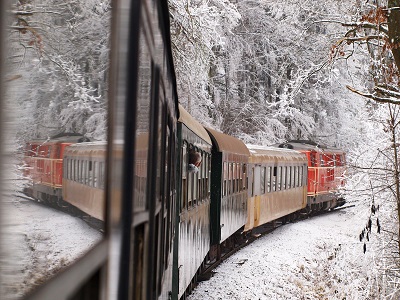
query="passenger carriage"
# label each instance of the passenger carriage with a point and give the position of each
(228, 189)
(193, 222)
(84, 177)
(277, 180)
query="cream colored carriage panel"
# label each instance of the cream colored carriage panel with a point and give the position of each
(273, 206)
(250, 214)
(88, 199)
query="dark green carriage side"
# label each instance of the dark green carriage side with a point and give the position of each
(228, 190)
(192, 239)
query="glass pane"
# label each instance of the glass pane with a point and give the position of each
(56, 90)
(262, 180)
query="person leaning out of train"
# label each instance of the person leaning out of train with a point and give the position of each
(194, 161)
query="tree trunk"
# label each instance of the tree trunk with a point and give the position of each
(393, 127)
(394, 29)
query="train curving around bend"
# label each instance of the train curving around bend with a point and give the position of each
(173, 196)
(207, 190)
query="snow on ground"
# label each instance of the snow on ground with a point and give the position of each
(318, 258)
(37, 242)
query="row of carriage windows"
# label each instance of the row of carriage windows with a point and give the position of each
(234, 174)
(196, 174)
(277, 178)
(326, 160)
(35, 150)
(87, 172)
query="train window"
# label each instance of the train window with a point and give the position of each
(84, 171)
(313, 159)
(229, 178)
(240, 183)
(71, 173)
(292, 176)
(190, 189)
(90, 173)
(279, 179)
(206, 165)
(74, 170)
(262, 181)
(195, 188)
(41, 151)
(101, 175)
(283, 177)
(273, 180)
(252, 181)
(300, 175)
(184, 176)
(330, 160)
(338, 160)
(245, 183)
(268, 179)
(209, 173)
(321, 159)
(205, 175)
(295, 176)
(78, 169)
(95, 174)
(292, 173)
(233, 186)
(225, 170)
(201, 183)
(238, 175)
(58, 152)
(71, 169)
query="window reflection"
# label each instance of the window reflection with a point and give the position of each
(56, 105)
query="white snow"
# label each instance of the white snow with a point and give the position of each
(37, 242)
(318, 258)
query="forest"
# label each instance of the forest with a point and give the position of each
(265, 71)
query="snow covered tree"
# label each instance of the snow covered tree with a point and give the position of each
(371, 43)
(237, 70)
(59, 50)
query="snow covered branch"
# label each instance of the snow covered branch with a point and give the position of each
(376, 97)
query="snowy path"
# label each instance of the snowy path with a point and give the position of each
(319, 258)
(38, 241)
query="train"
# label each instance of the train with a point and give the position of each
(172, 194)
(215, 189)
